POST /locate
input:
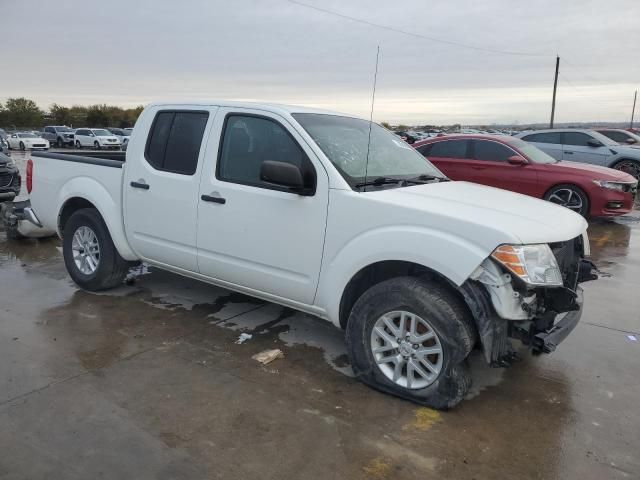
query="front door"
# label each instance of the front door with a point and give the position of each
(489, 162)
(161, 185)
(252, 233)
(576, 148)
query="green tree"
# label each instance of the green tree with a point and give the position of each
(22, 112)
(60, 115)
(386, 125)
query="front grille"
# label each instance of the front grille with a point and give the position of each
(5, 179)
(37, 145)
(568, 255)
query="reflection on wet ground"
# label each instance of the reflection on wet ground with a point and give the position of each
(147, 381)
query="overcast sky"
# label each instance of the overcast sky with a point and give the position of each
(131, 52)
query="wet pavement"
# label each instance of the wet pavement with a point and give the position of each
(146, 381)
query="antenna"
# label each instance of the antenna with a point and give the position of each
(373, 99)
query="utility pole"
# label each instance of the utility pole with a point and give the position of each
(633, 110)
(555, 87)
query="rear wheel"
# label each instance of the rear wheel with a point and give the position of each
(629, 166)
(90, 256)
(569, 196)
(409, 337)
(78, 145)
(21, 146)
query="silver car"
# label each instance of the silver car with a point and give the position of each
(586, 146)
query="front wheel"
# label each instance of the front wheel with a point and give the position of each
(90, 256)
(59, 143)
(21, 146)
(78, 145)
(409, 337)
(569, 196)
(96, 145)
(629, 166)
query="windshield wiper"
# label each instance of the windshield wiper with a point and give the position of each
(379, 181)
(426, 179)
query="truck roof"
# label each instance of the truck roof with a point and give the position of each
(271, 107)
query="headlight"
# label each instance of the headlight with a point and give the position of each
(534, 264)
(620, 187)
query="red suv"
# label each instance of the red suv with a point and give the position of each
(512, 164)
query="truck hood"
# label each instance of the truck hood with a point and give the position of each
(484, 215)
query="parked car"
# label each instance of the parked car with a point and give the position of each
(407, 137)
(586, 146)
(121, 134)
(58, 135)
(27, 141)
(9, 179)
(512, 164)
(4, 146)
(331, 215)
(622, 137)
(3, 134)
(97, 138)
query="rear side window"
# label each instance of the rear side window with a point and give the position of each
(576, 138)
(175, 140)
(548, 137)
(491, 151)
(449, 149)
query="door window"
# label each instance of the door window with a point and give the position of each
(546, 137)
(448, 149)
(174, 141)
(249, 140)
(577, 139)
(615, 136)
(491, 151)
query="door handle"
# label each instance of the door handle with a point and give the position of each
(479, 168)
(568, 153)
(210, 198)
(142, 185)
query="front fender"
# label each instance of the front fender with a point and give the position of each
(110, 209)
(453, 257)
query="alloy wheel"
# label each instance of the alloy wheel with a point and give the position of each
(568, 198)
(86, 250)
(407, 349)
(630, 167)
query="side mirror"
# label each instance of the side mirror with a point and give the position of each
(631, 141)
(284, 175)
(517, 160)
(594, 143)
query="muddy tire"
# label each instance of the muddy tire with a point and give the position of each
(90, 256)
(410, 337)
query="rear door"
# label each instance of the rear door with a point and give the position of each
(450, 156)
(576, 148)
(161, 185)
(251, 233)
(548, 142)
(489, 161)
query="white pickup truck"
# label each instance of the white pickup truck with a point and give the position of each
(330, 215)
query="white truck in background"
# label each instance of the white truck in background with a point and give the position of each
(331, 215)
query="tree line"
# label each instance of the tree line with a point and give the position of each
(23, 113)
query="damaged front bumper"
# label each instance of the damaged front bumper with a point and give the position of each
(540, 318)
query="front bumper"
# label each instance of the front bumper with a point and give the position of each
(547, 341)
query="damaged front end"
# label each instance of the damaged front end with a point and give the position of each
(505, 306)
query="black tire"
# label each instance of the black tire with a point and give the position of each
(96, 145)
(559, 192)
(78, 145)
(445, 313)
(632, 167)
(59, 143)
(22, 146)
(111, 269)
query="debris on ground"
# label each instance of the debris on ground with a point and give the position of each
(633, 338)
(268, 356)
(243, 338)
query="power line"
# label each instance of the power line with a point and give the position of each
(416, 35)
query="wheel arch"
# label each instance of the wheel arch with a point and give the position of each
(381, 271)
(87, 193)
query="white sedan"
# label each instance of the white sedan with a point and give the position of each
(27, 141)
